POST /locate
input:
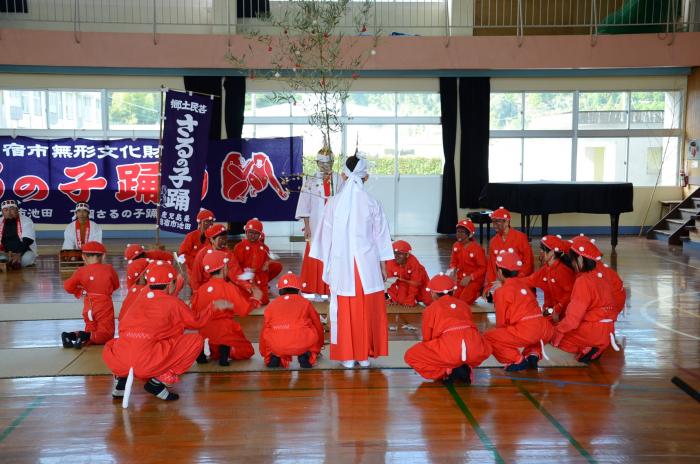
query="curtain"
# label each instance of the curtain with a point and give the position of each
(234, 106)
(210, 85)
(448, 119)
(474, 98)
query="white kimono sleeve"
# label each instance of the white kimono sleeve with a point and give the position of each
(95, 232)
(69, 238)
(382, 237)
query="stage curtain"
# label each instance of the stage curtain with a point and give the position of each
(474, 98)
(210, 85)
(448, 119)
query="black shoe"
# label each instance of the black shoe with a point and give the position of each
(275, 361)
(202, 358)
(532, 361)
(224, 352)
(305, 360)
(586, 358)
(67, 338)
(159, 390)
(489, 297)
(82, 338)
(521, 366)
(119, 386)
(461, 374)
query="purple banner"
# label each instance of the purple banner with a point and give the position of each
(254, 178)
(185, 144)
(119, 178)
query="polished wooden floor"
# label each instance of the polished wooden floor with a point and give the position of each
(623, 408)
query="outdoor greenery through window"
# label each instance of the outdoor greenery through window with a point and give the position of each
(399, 132)
(82, 113)
(621, 136)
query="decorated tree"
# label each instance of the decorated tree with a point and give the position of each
(311, 53)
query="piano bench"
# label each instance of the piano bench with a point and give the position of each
(482, 218)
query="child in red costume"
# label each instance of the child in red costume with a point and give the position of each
(224, 335)
(95, 282)
(254, 256)
(452, 345)
(291, 327)
(556, 275)
(195, 240)
(589, 325)
(152, 344)
(468, 263)
(507, 239)
(520, 324)
(411, 278)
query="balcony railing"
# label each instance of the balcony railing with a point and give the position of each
(421, 17)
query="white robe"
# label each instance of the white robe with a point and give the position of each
(365, 240)
(70, 241)
(312, 199)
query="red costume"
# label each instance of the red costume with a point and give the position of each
(519, 320)
(468, 260)
(133, 272)
(151, 338)
(198, 275)
(135, 251)
(556, 279)
(255, 256)
(616, 285)
(513, 241)
(590, 315)
(450, 337)
(291, 327)
(412, 279)
(222, 329)
(96, 282)
(195, 240)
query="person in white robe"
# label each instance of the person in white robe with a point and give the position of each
(314, 194)
(18, 237)
(82, 230)
(353, 242)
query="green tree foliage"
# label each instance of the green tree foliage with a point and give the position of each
(134, 108)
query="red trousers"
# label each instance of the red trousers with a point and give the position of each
(312, 275)
(470, 293)
(508, 341)
(227, 332)
(436, 358)
(363, 330)
(289, 342)
(164, 359)
(98, 314)
(401, 293)
(586, 336)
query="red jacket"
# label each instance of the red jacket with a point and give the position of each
(591, 300)
(519, 243)
(515, 303)
(198, 276)
(291, 327)
(556, 281)
(468, 260)
(403, 292)
(616, 285)
(193, 242)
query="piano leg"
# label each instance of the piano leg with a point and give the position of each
(614, 222)
(545, 224)
(527, 226)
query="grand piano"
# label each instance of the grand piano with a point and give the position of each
(544, 198)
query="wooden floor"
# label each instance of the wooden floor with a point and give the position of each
(623, 408)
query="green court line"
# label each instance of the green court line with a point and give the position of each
(6, 433)
(475, 425)
(582, 451)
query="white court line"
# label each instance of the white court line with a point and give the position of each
(645, 314)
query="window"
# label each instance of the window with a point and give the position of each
(75, 110)
(597, 136)
(134, 110)
(22, 109)
(394, 129)
(548, 110)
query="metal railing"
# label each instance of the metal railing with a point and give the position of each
(421, 17)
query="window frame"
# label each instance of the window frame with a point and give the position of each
(575, 133)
